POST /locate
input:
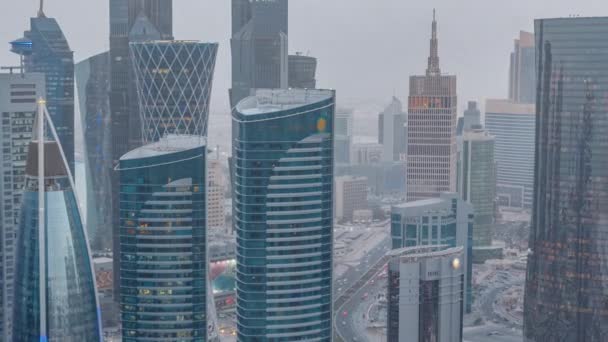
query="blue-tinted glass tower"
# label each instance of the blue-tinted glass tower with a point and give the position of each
(174, 81)
(55, 296)
(46, 50)
(283, 174)
(163, 241)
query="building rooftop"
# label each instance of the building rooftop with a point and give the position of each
(420, 203)
(477, 134)
(168, 144)
(276, 100)
(498, 106)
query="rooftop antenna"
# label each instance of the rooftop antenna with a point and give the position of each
(41, 10)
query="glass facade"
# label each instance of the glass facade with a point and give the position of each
(55, 296)
(259, 46)
(174, 81)
(302, 71)
(566, 284)
(163, 241)
(283, 214)
(51, 55)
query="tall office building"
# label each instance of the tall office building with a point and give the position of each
(513, 125)
(351, 195)
(447, 220)
(45, 49)
(55, 294)
(471, 116)
(283, 171)
(18, 94)
(431, 140)
(343, 135)
(92, 85)
(130, 20)
(163, 238)
(392, 131)
(478, 187)
(216, 190)
(259, 46)
(522, 70)
(425, 294)
(565, 296)
(174, 81)
(302, 71)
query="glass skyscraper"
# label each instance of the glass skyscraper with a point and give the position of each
(259, 46)
(283, 173)
(174, 81)
(567, 276)
(163, 241)
(18, 94)
(46, 50)
(55, 295)
(92, 85)
(302, 71)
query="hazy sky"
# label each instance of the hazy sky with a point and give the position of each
(366, 48)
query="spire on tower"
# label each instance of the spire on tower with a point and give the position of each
(41, 10)
(433, 67)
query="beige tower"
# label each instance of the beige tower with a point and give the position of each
(432, 104)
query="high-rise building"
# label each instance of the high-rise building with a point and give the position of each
(18, 94)
(478, 187)
(512, 125)
(283, 172)
(366, 153)
(522, 70)
(425, 294)
(392, 131)
(447, 220)
(216, 190)
(343, 132)
(472, 116)
(565, 297)
(431, 140)
(45, 49)
(131, 20)
(55, 293)
(174, 81)
(163, 238)
(259, 46)
(302, 71)
(351, 195)
(92, 85)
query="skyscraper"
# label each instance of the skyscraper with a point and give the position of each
(92, 85)
(343, 135)
(565, 296)
(447, 220)
(45, 50)
(259, 46)
(425, 294)
(351, 195)
(522, 75)
(130, 20)
(513, 126)
(302, 71)
(431, 141)
(472, 116)
(174, 81)
(55, 294)
(283, 215)
(163, 237)
(392, 131)
(478, 187)
(18, 93)
(216, 190)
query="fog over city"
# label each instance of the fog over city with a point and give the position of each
(366, 49)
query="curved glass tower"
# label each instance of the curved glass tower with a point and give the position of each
(163, 241)
(174, 81)
(283, 174)
(567, 277)
(55, 297)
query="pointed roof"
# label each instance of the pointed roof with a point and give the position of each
(433, 67)
(143, 29)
